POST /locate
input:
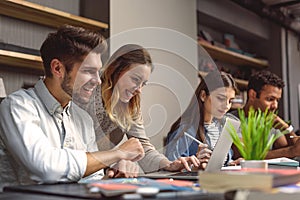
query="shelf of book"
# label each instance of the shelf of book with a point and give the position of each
(36, 13)
(242, 84)
(21, 60)
(241, 97)
(233, 57)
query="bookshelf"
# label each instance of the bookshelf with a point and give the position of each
(43, 15)
(32, 12)
(21, 60)
(233, 57)
(242, 84)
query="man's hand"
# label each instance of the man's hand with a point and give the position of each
(280, 123)
(183, 163)
(236, 162)
(295, 149)
(288, 151)
(285, 140)
(203, 155)
(123, 169)
(131, 150)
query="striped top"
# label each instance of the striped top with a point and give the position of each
(178, 145)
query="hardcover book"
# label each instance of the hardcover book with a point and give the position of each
(282, 162)
(256, 179)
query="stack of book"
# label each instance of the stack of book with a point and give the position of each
(289, 192)
(252, 179)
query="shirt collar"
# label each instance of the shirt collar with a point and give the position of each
(67, 108)
(52, 105)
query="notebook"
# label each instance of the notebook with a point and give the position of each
(216, 160)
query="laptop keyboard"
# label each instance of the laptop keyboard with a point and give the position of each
(186, 174)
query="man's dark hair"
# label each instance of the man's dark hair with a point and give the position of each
(69, 45)
(261, 78)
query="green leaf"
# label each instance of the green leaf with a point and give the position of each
(255, 128)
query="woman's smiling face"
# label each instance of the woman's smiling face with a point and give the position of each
(131, 82)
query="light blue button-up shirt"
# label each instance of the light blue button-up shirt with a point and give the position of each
(44, 141)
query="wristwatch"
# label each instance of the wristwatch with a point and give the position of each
(290, 128)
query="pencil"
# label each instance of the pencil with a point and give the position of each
(191, 137)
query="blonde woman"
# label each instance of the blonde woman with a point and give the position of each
(116, 111)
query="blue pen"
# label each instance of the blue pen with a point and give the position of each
(196, 185)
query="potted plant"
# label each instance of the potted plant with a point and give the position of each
(255, 139)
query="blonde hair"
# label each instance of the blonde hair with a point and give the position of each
(123, 114)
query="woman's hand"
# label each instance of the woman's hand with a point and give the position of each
(203, 154)
(182, 163)
(123, 169)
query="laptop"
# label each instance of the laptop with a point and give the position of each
(216, 160)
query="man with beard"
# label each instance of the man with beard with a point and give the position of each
(45, 137)
(264, 92)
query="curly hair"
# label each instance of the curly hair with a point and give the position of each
(261, 78)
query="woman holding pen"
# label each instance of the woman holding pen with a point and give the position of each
(198, 128)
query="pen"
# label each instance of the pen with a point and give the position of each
(196, 185)
(294, 136)
(191, 137)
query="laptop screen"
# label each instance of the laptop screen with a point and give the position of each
(222, 146)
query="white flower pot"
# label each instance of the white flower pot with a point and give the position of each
(261, 164)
